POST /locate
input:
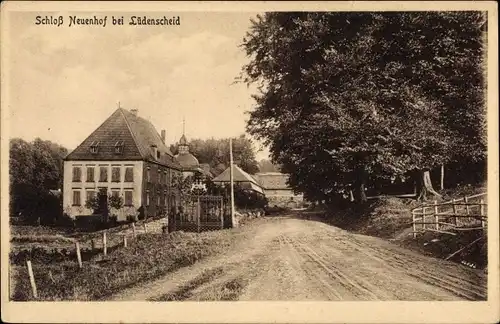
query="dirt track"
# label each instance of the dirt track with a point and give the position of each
(289, 258)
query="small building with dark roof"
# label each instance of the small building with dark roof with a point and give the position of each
(240, 178)
(277, 190)
(126, 157)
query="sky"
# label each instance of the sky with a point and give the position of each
(65, 81)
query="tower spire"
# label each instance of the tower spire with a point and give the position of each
(184, 125)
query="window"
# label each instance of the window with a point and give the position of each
(158, 199)
(159, 176)
(90, 174)
(103, 174)
(128, 197)
(115, 174)
(94, 147)
(158, 155)
(166, 178)
(115, 193)
(148, 174)
(147, 198)
(76, 198)
(77, 174)
(129, 174)
(90, 194)
(119, 147)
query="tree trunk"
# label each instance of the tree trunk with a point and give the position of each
(359, 185)
(360, 194)
(424, 185)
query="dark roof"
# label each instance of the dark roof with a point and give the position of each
(136, 135)
(272, 180)
(187, 160)
(238, 176)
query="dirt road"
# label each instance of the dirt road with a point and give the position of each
(289, 258)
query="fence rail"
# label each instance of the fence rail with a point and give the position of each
(464, 214)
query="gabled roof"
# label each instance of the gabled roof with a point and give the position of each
(272, 180)
(238, 176)
(136, 134)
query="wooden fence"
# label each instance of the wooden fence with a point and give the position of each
(465, 214)
(105, 240)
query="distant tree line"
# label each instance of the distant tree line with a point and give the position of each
(35, 169)
(215, 152)
(347, 98)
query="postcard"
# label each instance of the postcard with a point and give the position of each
(243, 162)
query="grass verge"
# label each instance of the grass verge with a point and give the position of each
(149, 257)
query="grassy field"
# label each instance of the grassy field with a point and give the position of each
(148, 257)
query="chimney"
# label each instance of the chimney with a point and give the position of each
(163, 135)
(134, 111)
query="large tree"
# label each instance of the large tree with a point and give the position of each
(344, 97)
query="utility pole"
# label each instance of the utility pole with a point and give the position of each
(231, 180)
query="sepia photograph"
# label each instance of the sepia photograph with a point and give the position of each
(200, 157)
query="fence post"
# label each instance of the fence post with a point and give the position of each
(466, 201)
(413, 224)
(436, 216)
(455, 218)
(78, 254)
(104, 244)
(124, 240)
(145, 229)
(32, 279)
(481, 212)
(423, 219)
(133, 229)
(92, 242)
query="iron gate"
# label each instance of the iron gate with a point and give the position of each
(200, 213)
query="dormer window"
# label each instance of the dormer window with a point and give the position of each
(94, 147)
(119, 147)
(156, 153)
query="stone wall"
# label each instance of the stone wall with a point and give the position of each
(287, 200)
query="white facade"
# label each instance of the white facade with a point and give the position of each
(74, 206)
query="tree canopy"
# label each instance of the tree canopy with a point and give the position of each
(35, 168)
(215, 152)
(346, 96)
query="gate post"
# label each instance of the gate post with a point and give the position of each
(198, 214)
